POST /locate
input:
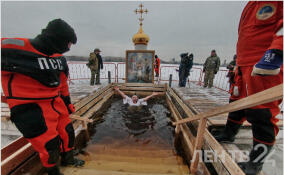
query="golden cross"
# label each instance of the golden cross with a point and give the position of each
(141, 11)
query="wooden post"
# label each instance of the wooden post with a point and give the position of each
(198, 145)
(109, 77)
(188, 81)
(85, 127)
(170, 80)
(85, 122)
(177, 135)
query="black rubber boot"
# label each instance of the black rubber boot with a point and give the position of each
(250, 168)
(68, 158)
(229, 133)
(53, 171)
(257, 156)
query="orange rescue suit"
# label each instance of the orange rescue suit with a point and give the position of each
(260, 29)
(36, 89)
(257, 31)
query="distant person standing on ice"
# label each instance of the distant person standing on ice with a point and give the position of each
(231, 67)
(184, 68)
(134, 100)
(157, 65)
(34, 80)
(260, 67)
(211, 67)
(95, 64)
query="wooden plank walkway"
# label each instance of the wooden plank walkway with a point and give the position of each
(120, 157)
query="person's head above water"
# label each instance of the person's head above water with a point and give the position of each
(134, 98)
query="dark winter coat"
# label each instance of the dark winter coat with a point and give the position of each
(231, 65)
(185, 65)
(100, 61)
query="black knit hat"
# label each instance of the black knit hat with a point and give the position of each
(183, 55)
(61, 30)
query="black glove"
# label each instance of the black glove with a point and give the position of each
(215, 72)
(68, 104)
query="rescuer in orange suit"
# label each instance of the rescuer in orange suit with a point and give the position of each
(259, 67)
(34, 80)
(157, 65)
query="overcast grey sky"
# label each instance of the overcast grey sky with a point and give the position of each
(173, 27)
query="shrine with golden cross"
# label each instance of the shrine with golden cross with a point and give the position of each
(141, 39)
(140, 61)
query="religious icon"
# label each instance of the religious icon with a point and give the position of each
(139, 66)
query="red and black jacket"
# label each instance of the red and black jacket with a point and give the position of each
(28, 74)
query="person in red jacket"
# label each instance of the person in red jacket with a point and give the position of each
(259, 67)
(34, 80)
(157, 65)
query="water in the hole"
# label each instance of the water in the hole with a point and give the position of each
(146, 125)
(133, 141)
